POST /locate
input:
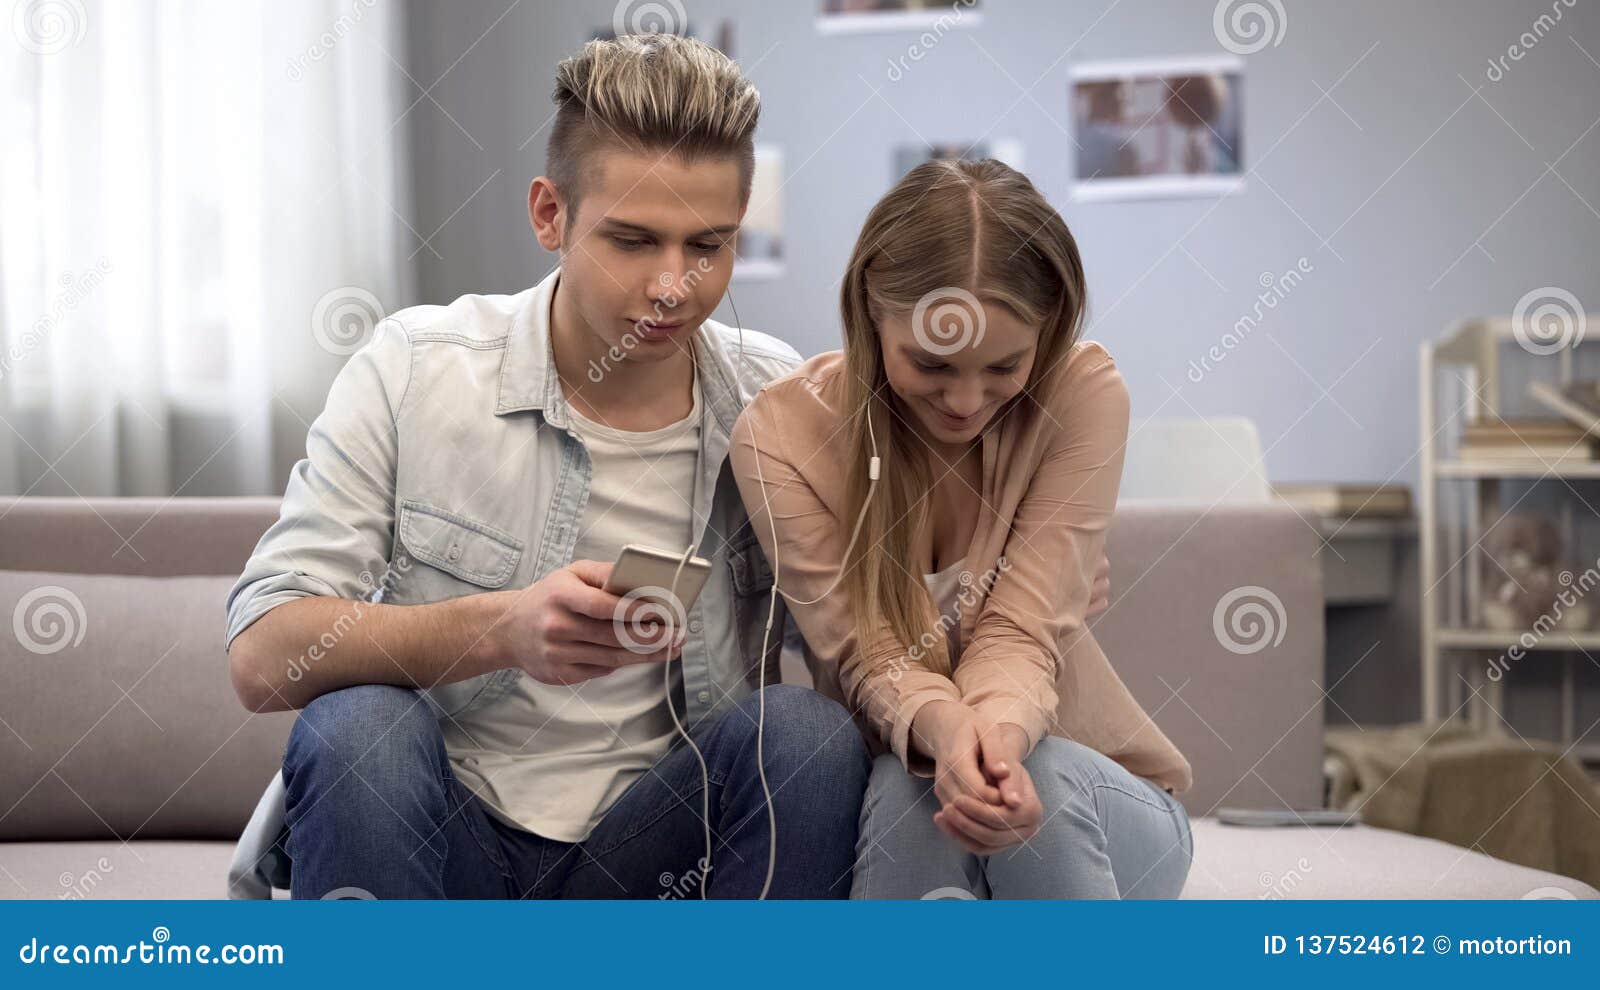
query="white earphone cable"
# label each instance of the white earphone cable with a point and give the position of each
(705, 774)
(761, 685)
(855, 531)
(873, 467)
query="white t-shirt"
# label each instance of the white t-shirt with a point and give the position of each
(945, 589)
(552, 759)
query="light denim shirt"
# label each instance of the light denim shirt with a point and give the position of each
(443, 465)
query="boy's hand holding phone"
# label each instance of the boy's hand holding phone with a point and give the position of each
(565, 627)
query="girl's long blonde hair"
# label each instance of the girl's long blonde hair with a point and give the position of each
(979, 227)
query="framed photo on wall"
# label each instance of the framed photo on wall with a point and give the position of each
(760, 247)
(853, 16)
(909, 156)
(1157, 127)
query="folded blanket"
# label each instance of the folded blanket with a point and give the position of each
(1518, 802)
(259, 862)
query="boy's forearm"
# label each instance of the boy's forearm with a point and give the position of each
(310, 646)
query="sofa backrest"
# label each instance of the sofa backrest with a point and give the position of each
(1216, 626)
(152, 537)
(117, 715)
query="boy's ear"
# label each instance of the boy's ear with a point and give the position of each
(547, 213)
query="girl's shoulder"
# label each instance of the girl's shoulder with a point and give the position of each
(816, 371)
(1084, 387)
(1085, 364)
(808, 394)
(1085, 358)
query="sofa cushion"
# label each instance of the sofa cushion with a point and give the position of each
(117, 714)
(1357, 862)
(1230, 863)
(139, 870)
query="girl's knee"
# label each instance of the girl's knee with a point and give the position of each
(891, 790)
(1064, 759)
(1066, 774)
(900, 853)
(892, 781)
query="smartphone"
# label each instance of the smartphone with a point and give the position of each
(650, 571)
(1263, 817)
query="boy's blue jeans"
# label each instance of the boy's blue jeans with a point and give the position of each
(373, 810)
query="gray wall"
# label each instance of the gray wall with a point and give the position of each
(1414, 202)
(1384, 187)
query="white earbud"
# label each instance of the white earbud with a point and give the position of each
(855, 531)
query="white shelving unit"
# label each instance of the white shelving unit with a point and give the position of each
(1460, 502)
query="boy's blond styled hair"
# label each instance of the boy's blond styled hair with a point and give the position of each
(656, 93)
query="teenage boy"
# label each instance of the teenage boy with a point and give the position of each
(478, 717)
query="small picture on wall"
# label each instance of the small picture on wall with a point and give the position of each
(909, 156)
(849, 16)
(759, 250)
(1169, 127)
(719, 36)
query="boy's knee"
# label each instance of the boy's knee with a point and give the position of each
(375, 725)
(810, 735)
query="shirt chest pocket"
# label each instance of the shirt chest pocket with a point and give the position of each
(463, 556)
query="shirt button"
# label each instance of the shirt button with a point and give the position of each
(703, 697)
(694, 625)
(454, 553)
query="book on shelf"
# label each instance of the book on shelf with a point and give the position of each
(1540, 428)
(1340, 499)
(1554, 456)
(1578, 402)
(1553, 441)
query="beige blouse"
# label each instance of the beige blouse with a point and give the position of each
(1049, 484)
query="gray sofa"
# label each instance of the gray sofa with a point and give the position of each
(128, 769)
